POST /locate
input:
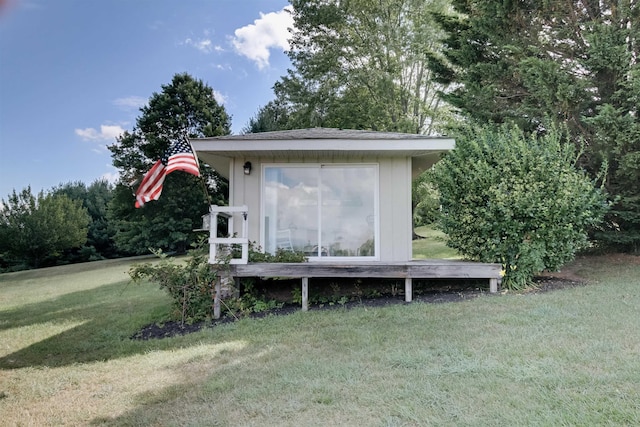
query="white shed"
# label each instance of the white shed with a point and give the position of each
(338, 195)
(343, 197)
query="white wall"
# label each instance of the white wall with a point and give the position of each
(395, 209)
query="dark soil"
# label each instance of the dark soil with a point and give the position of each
(430, 293)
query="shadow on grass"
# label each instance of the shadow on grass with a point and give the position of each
(102, 325)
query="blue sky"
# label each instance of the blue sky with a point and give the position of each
(74, 73)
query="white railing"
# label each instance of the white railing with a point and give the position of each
(222, 247)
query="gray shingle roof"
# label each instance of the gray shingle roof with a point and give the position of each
(322, 133)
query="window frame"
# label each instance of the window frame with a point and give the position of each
(318, 167)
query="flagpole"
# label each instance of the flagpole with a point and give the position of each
(206, 190)
(202, 181)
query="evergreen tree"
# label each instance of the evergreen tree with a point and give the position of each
(271, 117)
(568, 61)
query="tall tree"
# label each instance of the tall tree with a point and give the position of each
(569, 61)
(35, 230)
(184, 108)
(362, 64)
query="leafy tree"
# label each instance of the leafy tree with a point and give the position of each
(271, 117)
(36, 230)
(570, 61)
(516, 200)
(185, 107)
(363, 65)
(95, 198)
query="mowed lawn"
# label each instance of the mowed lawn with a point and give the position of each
(566, 357)
(432, 245)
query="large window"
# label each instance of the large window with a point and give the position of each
(322, 210)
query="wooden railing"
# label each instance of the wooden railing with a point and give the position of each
(223, 247)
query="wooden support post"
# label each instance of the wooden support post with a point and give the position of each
(216, 298)
(245, 235)
(236, 290)
(408, 289)
(213, 233)
(305, 293)
(493, 285)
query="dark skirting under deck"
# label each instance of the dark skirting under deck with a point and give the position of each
(419, 269)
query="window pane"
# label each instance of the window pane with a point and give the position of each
(291, 208)
(338, 221)
(348, 209)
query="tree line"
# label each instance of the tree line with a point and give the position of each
(65, 224)
(74, 222)
(454, 67)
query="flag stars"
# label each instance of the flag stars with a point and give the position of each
(179, 157)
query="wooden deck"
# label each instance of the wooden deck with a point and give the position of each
(422, 269)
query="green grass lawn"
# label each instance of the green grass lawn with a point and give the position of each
(567, 357)
(432, 246)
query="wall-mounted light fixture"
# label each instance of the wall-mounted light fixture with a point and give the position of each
(247, 168)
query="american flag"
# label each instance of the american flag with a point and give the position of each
(179, 157)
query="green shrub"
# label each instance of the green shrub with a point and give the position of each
(282, 255)
(426, 201)
(517, 200)
(252, 300)
(189, 284)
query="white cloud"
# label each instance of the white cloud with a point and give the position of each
(106, 133)
(203, 45)
(219, 97)
(111, 177)
(222, 67)
(130, 103)
(270, 31)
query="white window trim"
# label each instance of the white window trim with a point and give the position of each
(334, 259)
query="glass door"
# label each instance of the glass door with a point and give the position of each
(324, 211)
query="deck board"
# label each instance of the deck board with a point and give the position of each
(422, 269)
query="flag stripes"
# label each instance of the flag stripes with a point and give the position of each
(179, 157)
(183, 162)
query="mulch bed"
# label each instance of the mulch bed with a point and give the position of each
(434, 295)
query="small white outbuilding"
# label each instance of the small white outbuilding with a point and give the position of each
(337, 195)
(343, 197)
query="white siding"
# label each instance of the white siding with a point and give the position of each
(395, 209)
(394, 200)
(245, 190)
